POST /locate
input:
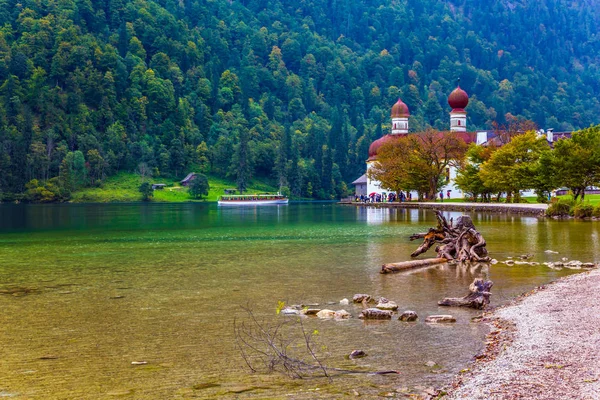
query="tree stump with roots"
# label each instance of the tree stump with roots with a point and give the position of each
(479, 297)
(460, 241)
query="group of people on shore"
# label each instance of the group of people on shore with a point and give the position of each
(383, 197)
(392, 197)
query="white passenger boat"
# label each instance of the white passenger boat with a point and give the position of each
(252, 200)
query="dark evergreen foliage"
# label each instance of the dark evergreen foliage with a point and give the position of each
(290, 90)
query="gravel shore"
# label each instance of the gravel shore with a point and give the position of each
(546, 345)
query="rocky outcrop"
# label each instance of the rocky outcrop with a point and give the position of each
(408, 316)
(437, 319)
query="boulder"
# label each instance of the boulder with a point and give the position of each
(342, 314)
(310, 311)
(375, 313)
(290, 311)
(359, 298)
(436, 319)
(344, 302)
(385, 304)
(357, 354)
(324, 314)
(408, 316)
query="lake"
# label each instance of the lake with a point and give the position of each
(87, 290)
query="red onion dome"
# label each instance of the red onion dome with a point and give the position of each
(458, 99)
(378, 143)
(400, 110)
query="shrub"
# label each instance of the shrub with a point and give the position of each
(560, 208)
(583, 210)
(146, 190)
(596, 212)
(199, 186)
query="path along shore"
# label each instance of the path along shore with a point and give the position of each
(518, 208)
(545, 345)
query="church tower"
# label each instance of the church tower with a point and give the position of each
(400, 116)
(458, 100)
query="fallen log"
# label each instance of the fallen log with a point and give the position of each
(404, 265)
(478, 298)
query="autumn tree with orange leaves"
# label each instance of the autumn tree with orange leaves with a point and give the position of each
(418, 161)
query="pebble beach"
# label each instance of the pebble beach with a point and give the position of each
(544, 345)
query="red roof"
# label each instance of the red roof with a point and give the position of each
(380, 142)
(400, 110)
(458, 99)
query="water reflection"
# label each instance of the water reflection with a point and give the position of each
(163, 282)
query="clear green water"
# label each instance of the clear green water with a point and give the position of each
(162, 283)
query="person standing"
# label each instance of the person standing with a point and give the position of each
(448, 194)
(442, 196)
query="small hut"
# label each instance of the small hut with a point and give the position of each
(188, 179)
(360, 185)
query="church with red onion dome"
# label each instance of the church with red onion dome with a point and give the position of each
(457, 100)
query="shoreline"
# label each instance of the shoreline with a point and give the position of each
(534, 209)
(542, 345)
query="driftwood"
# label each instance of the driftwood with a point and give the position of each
(478, 298)
(461, 242)
(401, 266)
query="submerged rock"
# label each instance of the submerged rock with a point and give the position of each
(357, 354)
(435, 319)
(359, 298)
(290, 311)
(342, 314)
(385, 304)
(325, 314)
(311, 311)
(375, 313)
(408, 316)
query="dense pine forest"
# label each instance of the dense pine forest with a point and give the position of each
(288, 90)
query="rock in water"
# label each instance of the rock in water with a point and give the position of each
(408, 316)
(341, 314)
(359, 298)
(375, 313)
(311, 311)
(344, 302)
(324, 314)
(435, 319)
(290, 311)
(385, 304)
(357, 354)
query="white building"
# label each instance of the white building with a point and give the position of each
(458, 101)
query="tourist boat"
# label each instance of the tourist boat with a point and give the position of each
(252, 200)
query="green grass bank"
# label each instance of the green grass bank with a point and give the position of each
(123, 187)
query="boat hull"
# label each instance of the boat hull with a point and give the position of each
(252, 202)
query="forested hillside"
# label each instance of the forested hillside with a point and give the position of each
(294, 90)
